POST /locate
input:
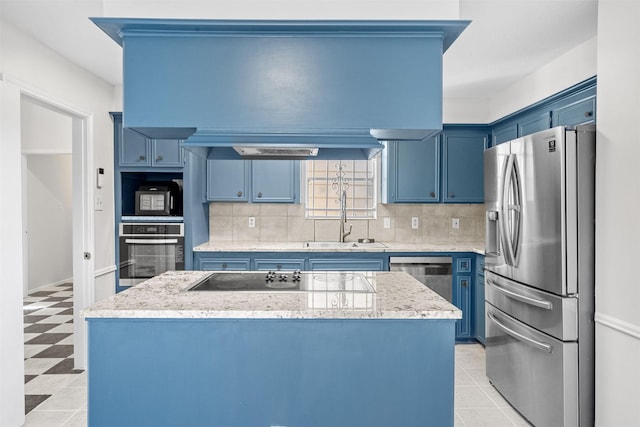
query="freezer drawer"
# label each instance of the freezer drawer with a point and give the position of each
(536, 373)
(551, 314)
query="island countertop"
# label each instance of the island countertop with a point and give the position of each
(397, 296)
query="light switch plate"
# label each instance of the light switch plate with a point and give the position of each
(99, 203)
(455, 223)
(386, 222)
(414, 222)
(252, 222)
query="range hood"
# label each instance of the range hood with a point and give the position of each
(283, 88)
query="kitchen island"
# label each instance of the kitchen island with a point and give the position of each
(162, 355)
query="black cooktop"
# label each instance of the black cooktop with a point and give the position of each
(311, 281)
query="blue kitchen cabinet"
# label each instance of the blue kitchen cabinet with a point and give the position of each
(275, 181)
(462, 300)
(504, 132)
(134, 148)
(166, 153)
(582, 111)
(346, 264)
(534, 122)
(478, 301)
(228, 180)
(223, 264)
(411, 171)
(463, 178)
(278, 264)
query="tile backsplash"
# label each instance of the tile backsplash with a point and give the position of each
(286, 223)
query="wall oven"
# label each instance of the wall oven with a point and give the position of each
(149, 249)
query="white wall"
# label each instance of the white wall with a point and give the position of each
(43, 130)
(617, 207)
(33, 65)
(49, 213)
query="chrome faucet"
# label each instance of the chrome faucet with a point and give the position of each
(343, 216)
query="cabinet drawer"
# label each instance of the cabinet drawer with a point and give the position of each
(225, 264)
(279, 264)
(345, 264)
(463, 265)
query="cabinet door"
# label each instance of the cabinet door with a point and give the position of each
(577, 113)
(414, 171)
(134, 149)
(166, 152)
(227, 180)
(463, 178)
(504, 133)
(273, 181)
(534, 123)
(462, 300)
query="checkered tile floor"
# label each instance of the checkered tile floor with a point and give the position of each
(50, 379)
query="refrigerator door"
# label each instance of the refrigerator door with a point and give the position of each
(552, 314)
(495, 163)
(535, 210)
(536, 373)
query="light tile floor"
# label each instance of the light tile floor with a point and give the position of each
(477, 403)
(65, 405)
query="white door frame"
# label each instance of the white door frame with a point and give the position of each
(83, 214)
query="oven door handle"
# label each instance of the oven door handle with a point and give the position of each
(151, 241)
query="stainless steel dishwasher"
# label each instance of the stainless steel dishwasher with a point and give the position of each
(433, 272)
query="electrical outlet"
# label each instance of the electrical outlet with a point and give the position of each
(99, 203)
(414, 222)
(386, 222)
(252, 222)
(455, 223)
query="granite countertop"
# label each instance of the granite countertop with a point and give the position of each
(397, 296)
(214, 246)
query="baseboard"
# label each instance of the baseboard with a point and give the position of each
(59, 282)
(618, 325)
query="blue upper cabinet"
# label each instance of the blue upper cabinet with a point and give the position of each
(258, 181)
(275, 181)
(373, 78)
(504, 132)
(411, 171)
(534, 122)
(134, 149)
(166, 153)
(228, 180)
(582, 111)
(462, 158)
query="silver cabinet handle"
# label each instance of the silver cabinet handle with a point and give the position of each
(158, 158)
(432, 194)
(239, 193)
(519, 336)
(547, 305)
(452, 195)
(588, 114)
(141, 157)
(259, 195)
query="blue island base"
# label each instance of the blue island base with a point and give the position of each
(275, 372)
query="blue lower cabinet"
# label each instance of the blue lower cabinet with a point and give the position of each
(462, 300)
(278, 264)
(271, 372)
(223, 264)
(478, 301)
(346, 264)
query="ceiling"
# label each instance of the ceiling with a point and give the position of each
(506, 40)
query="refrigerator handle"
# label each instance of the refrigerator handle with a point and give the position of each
(517, 335)
(492, 233)
(504, 214)
(547, 305)
(516, 207)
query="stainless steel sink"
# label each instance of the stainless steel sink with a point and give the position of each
(342, 245)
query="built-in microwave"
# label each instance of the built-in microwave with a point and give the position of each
(152, 199)
(149, 249)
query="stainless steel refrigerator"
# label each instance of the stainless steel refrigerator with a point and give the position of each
(539, 291)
